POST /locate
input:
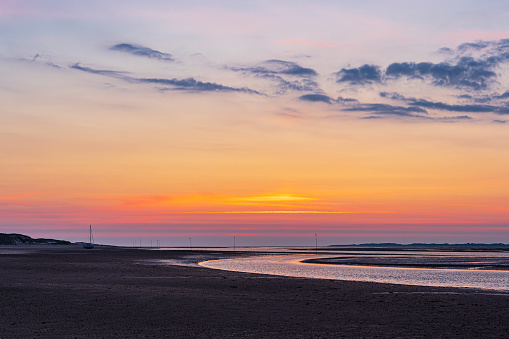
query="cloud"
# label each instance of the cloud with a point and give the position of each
(486, 98)
(503, 109)
(188, 84)
(317, 98)
(445, 50)
(467, 108)
(300, 78)
(503, 96)
(416, 108)
(472, 66)
(142, 51)
(193, 84)
(466, 73)
(40, 59)
(366, 74)
(453, 108)
(404, 114)
(455, 118)
(342, 100)
(478, 45)
(441, 119)
(114, 74)
(289, 68)
(281, 67)
(385, 109)
(496, 51)
(303, 85)
(370, 117)
(499, 121)
(393, 95)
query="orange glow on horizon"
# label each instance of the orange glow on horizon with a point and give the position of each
(272, 198)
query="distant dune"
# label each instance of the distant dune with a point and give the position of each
(21, 239)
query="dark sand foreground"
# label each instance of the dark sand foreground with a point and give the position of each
(68, 292)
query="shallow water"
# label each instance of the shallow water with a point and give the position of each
(291, 265)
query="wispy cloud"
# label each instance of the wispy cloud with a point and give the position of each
(283, 85)
(280, 67)
(470, 108)
(288, 75)
(41, 59)
(143, 52)
(385, 109)
(456, 108)
(471, 66)
(187, 84)
(193, 85)
(416, 107)
(455, 118)
(317, 98)
(486, 98)
(109, 73)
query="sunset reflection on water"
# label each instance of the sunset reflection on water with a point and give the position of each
(291, 265)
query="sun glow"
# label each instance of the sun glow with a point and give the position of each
(272, 198)
(274, 212)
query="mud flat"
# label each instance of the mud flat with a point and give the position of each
(67, 292)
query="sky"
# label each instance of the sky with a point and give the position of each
(264, 121)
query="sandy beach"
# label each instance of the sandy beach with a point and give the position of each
(69, 292)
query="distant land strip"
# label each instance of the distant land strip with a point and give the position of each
(427, 245)
(21, 239)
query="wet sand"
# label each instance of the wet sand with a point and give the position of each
(68, 292)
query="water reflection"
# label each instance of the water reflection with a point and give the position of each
(291, 265)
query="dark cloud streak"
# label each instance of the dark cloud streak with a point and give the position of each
(188, 84)
(317, 98)
(143, 52)
(448, 107)
(193, 84)
(385, 109)
(453, 108)
(275, 66)
(114, 74)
